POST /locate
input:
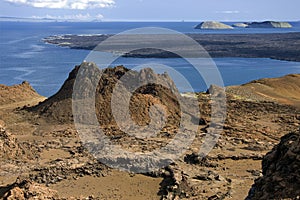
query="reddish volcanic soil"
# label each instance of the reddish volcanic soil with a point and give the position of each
(42, 156)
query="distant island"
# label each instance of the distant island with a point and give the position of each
(213, 25)
(269, 24)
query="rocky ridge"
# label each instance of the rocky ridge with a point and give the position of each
(283, 90)
(17, 93)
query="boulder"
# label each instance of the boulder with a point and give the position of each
(26, 189)
(9, 146)
(213, 25)
(216, 90)
(281, 171)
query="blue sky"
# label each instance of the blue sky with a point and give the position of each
(154, 10)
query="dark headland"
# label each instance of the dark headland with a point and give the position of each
(280, 46)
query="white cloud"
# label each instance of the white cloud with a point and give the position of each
(228, 12)
(66, 4)
(77, 17)
(99, 16)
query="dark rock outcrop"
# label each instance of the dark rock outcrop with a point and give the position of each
(216, 90)
(281, 171)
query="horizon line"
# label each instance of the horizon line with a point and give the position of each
(132, 20)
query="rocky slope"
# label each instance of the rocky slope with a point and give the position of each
(284, 90)
(281, 171)
(62, 166)
(59, 106)
(17, 93)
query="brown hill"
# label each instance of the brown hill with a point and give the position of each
(59, 106)
(17, 93)
(285, 90)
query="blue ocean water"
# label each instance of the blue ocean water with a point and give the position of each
(24, 56)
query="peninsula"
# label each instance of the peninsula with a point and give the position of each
(280, 46)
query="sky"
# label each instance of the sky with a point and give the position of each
(153, 10)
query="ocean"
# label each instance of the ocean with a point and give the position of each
(24, 55)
